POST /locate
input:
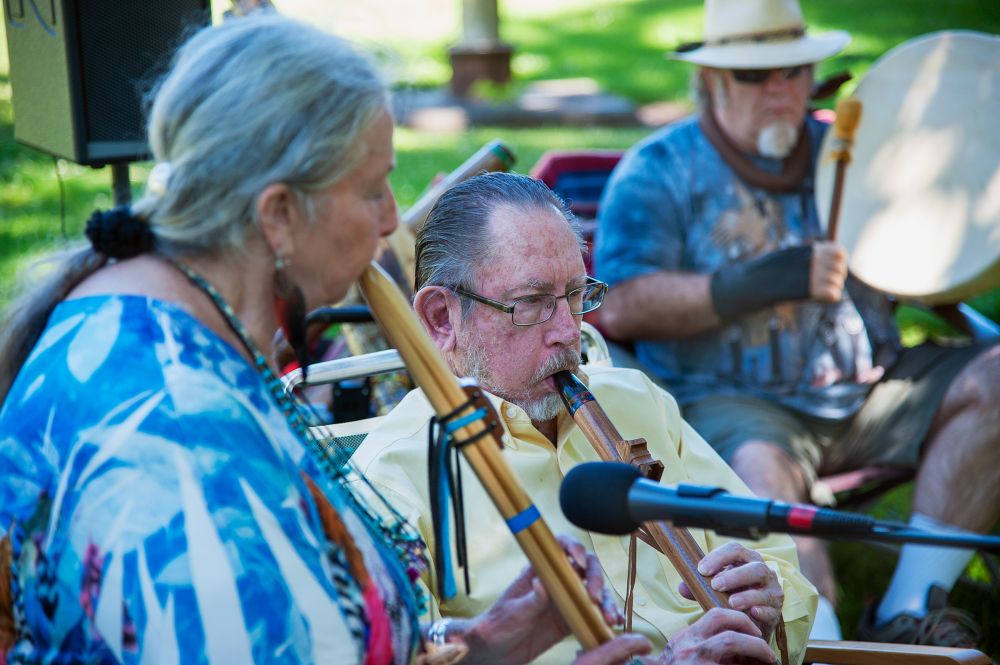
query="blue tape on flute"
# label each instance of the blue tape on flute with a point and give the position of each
(523, 519)
(456, 425)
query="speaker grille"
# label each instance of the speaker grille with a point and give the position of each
(123, 47)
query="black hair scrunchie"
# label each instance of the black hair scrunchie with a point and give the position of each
(118, 233)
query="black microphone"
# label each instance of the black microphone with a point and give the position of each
(614, 498)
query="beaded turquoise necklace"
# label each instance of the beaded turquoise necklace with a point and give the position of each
(405, 541)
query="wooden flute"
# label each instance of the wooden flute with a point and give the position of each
(676, 543)
(447, 396)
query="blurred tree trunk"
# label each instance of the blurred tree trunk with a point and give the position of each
(480, 54)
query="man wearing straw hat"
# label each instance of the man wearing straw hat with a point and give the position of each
(719, 271)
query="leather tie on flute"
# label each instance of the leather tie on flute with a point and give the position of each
(443, 391)
(844, 128)
(676, 543)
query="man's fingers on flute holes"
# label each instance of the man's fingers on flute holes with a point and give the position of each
(726, 556)
(718, 620)
(744, 600)
(766, 615)
(753, 575)
(729, 646)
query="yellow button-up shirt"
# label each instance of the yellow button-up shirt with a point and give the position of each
(394, 458)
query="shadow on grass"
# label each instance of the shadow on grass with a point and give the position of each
(617, 46)
(864, 571)
(623, 45)
(35, 215)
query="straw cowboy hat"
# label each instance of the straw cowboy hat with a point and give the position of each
(759, 34)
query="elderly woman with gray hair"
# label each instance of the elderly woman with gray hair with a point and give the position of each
(160, 496)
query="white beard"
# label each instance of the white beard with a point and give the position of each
(777, 139)
(474, 363)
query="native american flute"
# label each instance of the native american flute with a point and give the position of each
(676, 543)
(446, 395)
(844, 128)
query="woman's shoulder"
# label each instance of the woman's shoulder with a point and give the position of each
(115, 368)
(96, 350)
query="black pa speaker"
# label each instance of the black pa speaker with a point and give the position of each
(79, 68)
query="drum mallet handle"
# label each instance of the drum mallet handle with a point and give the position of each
(844, 128)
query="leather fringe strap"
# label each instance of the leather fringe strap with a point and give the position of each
(782, 639)
(630, 583)
(8, 631)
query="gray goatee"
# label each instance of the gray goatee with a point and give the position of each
(548, 406)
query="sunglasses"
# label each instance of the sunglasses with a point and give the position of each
(758, 76)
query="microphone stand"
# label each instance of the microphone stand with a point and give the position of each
(902, 533)
(750, 518)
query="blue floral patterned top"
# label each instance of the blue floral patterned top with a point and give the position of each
(162, 508)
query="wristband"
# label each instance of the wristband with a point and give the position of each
(739, 289)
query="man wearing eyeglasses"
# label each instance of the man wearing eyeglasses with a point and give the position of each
(502, 288)
(720, 273)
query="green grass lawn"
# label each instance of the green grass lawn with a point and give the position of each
(620, 44)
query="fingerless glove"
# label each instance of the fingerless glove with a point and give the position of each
(739, 289)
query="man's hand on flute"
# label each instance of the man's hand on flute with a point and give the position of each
(720, 636)
(524, 623)
(752, 585)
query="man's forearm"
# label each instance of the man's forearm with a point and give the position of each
(663, 305)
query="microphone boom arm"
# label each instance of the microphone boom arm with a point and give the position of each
(750, 517)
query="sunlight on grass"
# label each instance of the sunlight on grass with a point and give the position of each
(383, 21)
(673, 27)
(529, 65)
(421, 155)
(548, 8)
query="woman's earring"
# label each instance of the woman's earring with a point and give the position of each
(290, 307)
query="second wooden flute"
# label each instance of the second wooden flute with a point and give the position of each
(676, 543)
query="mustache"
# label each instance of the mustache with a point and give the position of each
(567, 359)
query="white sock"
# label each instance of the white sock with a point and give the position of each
(918, 568)
(826, 626)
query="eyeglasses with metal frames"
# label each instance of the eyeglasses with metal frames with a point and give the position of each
(534, 309)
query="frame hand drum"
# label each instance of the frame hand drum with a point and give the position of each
(920, 213)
